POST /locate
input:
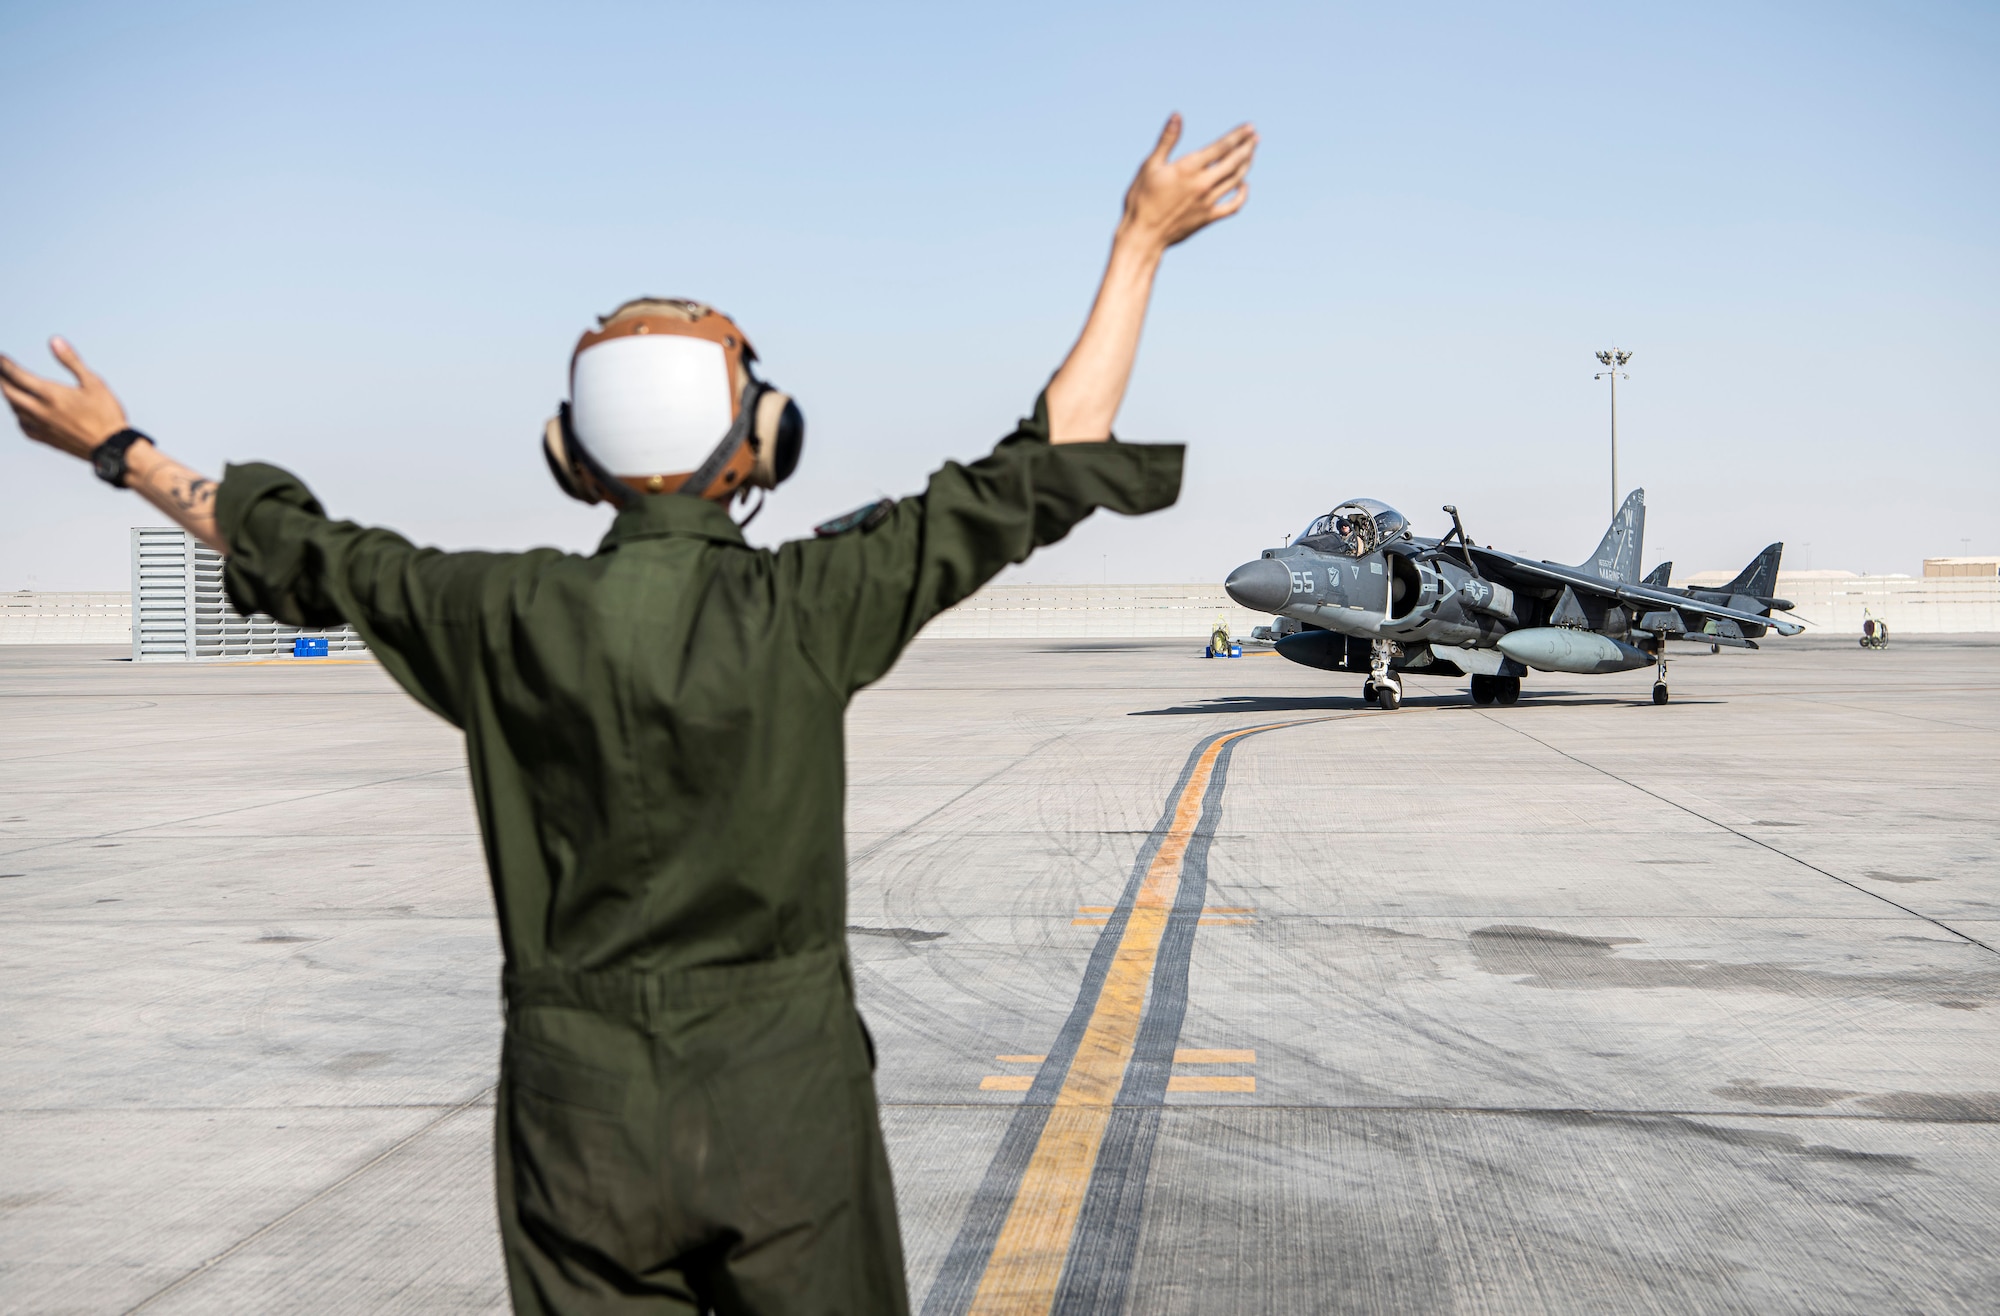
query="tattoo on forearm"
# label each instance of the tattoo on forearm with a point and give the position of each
(194, 495)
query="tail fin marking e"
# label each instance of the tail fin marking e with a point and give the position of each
(1760, 578)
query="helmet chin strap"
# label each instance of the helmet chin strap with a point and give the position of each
(745, 522)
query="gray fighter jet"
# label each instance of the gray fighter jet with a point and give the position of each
(1358, 592)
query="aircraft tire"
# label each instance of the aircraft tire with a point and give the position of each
(1387, 699)
(1507, 689)
(1659, 692)
(1482, 690)
(1367, 692)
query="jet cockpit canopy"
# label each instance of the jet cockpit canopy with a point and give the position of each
(1357, 527)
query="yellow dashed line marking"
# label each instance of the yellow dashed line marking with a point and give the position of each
(1186, 1055)
(1211, 1083)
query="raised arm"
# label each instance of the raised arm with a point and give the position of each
(78, 420)
(1170, 201)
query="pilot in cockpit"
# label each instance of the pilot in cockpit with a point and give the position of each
(1356, 528)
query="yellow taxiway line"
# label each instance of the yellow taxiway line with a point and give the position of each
(1027, 1259)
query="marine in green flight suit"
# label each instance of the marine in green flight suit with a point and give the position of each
(686, 1112)
(655, 739)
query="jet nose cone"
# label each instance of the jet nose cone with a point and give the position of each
(1261, 586)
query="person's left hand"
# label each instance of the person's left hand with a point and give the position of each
(1172, 200)
(71, 420)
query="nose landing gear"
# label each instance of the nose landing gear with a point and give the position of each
(1383, 687)
(1660, 684)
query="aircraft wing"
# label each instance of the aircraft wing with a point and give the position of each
(1646, 598)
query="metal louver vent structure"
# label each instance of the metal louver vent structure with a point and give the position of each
(180, 613)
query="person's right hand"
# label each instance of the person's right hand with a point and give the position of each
(71, 420)
(1172, 200)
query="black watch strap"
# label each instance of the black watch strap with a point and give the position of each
(109, 459)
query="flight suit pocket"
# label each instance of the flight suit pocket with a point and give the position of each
(801, 1110)
(541, 1069)
(581, 1161)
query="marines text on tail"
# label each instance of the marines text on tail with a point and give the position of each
(1359, 592)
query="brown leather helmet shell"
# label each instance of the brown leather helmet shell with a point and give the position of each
(766, 443)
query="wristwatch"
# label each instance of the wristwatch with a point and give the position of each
(109, 459)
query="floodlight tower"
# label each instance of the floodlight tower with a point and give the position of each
(1612, 360)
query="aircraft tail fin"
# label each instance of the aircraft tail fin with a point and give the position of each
(1760, 578)
(1617, 558)
(1660, 575)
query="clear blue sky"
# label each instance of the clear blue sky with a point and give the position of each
(359, 240)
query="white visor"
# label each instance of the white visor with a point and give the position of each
(651, 404)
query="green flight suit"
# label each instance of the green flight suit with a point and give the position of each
(686, 1114)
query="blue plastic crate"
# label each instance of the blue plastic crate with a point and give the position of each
(309, 646)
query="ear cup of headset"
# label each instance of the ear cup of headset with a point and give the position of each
(562, 465)
(579, 474)
(777, 437)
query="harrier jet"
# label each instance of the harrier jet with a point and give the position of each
(1358, 592)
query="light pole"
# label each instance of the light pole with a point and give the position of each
(1612, 360)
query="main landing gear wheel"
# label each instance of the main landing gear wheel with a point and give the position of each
(1507, 689)
(1482, 690)
(1659, 692)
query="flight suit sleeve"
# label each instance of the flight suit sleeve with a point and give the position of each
(417, 608)
(865, 594)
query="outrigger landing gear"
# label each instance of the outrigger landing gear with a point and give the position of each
(1383, 686)
(1660, 684)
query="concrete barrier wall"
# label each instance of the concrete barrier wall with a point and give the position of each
(1911, 606)
(42, 617)
(1920, 605)
(1083, 611)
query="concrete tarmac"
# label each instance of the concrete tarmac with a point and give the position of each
(1583, 1005)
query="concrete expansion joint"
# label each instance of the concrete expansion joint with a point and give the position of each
(480, 1098)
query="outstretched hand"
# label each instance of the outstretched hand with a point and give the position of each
(76, 420)
(72, 420)
(1172, 200)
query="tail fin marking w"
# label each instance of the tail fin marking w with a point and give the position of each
(1617, 557)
